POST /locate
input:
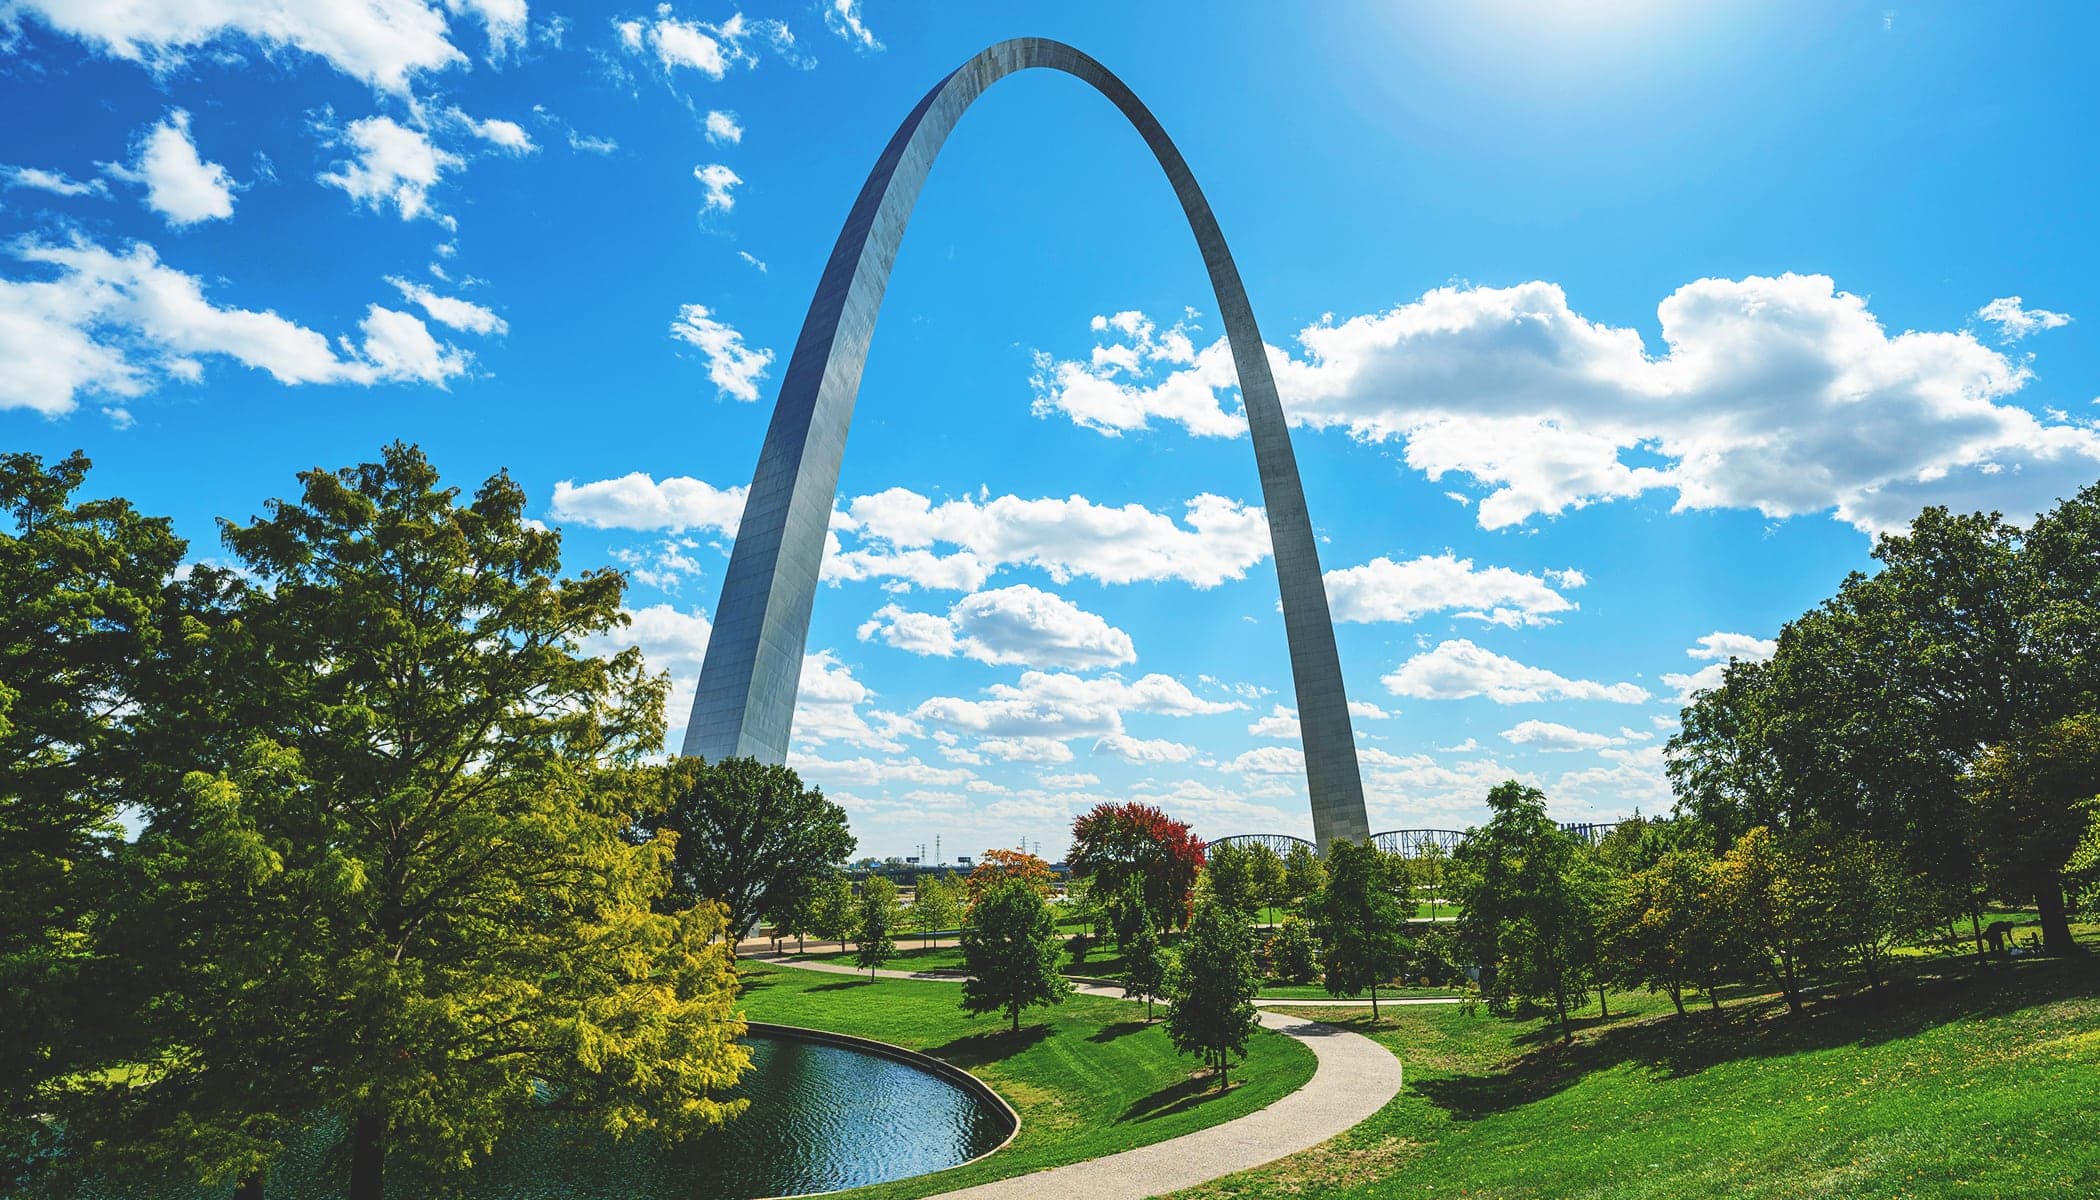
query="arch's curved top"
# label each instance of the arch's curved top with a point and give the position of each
(746, 697)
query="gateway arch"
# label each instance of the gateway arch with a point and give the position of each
(746, 698)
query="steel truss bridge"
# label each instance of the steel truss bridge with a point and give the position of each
(1408, 843)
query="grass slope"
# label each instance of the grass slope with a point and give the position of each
(1088, 1077)
(1967, 1086)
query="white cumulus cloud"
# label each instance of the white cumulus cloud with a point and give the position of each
(716, 181)
(118, 325)
(1716, 649)
(722, 128)
(1778, 393)
(842, 17)
(179, 184)
(636, 501)
(2015, 320)
(1458, 669)
(390, 165)
(58, 183)
(450, 310)
(1549, 735)
(1010, 625)
(1383, 590)
(732, 367)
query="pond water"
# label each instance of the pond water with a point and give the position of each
(821, 1118)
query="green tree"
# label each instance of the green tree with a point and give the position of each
(1359, 920)
(1760, 882)
(936, 904)
(1430, 860)
(831, 909)
(428, 814)
(1302, 874)
(1231, 878)
(1665, 932)
(1010, 949)
(1267, 868)
(84, 585)
(1146, 968)
(2030, 799)
(1213, 988)
(1530, 902)
(1869, 903)
(750, 837)
(1292, 951)
(878, 915)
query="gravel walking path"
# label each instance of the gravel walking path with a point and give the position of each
(1353, 1078)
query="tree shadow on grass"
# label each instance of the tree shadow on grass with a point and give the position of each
(1110, 1032)
(983, 1049)
(842, 985)
(1671, 1046)
(1174, 1098)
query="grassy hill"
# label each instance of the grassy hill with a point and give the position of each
(1971, 1084)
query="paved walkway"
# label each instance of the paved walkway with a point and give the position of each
(1353, 1077)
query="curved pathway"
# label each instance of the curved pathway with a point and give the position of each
(1353, 1077)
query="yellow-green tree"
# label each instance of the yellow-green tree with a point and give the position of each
(409, 791)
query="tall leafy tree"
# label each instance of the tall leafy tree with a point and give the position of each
(2033, 799)
(997, 866)
(1359, 919)
(1146, 968)
(1231, 877)
(878, 917)
(936, 904)
(1010, 949)
(1762, 883)
(1213, 988)
(427, 788)
(750, 837)
(831, 909)
(82, 588)
(1302, 874)
(1115, 843)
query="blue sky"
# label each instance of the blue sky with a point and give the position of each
(1609, 331)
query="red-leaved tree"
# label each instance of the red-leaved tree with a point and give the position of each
(1113, 844)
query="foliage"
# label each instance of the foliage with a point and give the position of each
(936, 903)
(750, 837)
(1010, 948)
(1668, 931)
(2031, 798)
(996, 866)
(379, 759)
(1213, 986)
(1230, 877)
(1918, 707)
(1113, 843)
(832, 910)
(877, 915)
(1292, 952)
(1761, 883)
(1270, 877)
(84, 583)
(1146, 976)
(1358, 917)
(1302, 874)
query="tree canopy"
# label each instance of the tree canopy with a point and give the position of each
(1115, 843)
(750, 836)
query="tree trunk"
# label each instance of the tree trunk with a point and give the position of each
(1016, 1011)
(1793, 992)
(368, 1155)
(1677, 997)
(1976, 932)
(2056, 923)
(1374, 1004)
(1560, 1008)
(1603, 1008)
(250, 1187)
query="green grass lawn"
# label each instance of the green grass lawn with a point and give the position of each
(1089, 1077)
(1983, 1084)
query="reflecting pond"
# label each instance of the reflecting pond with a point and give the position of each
(821, 1118)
